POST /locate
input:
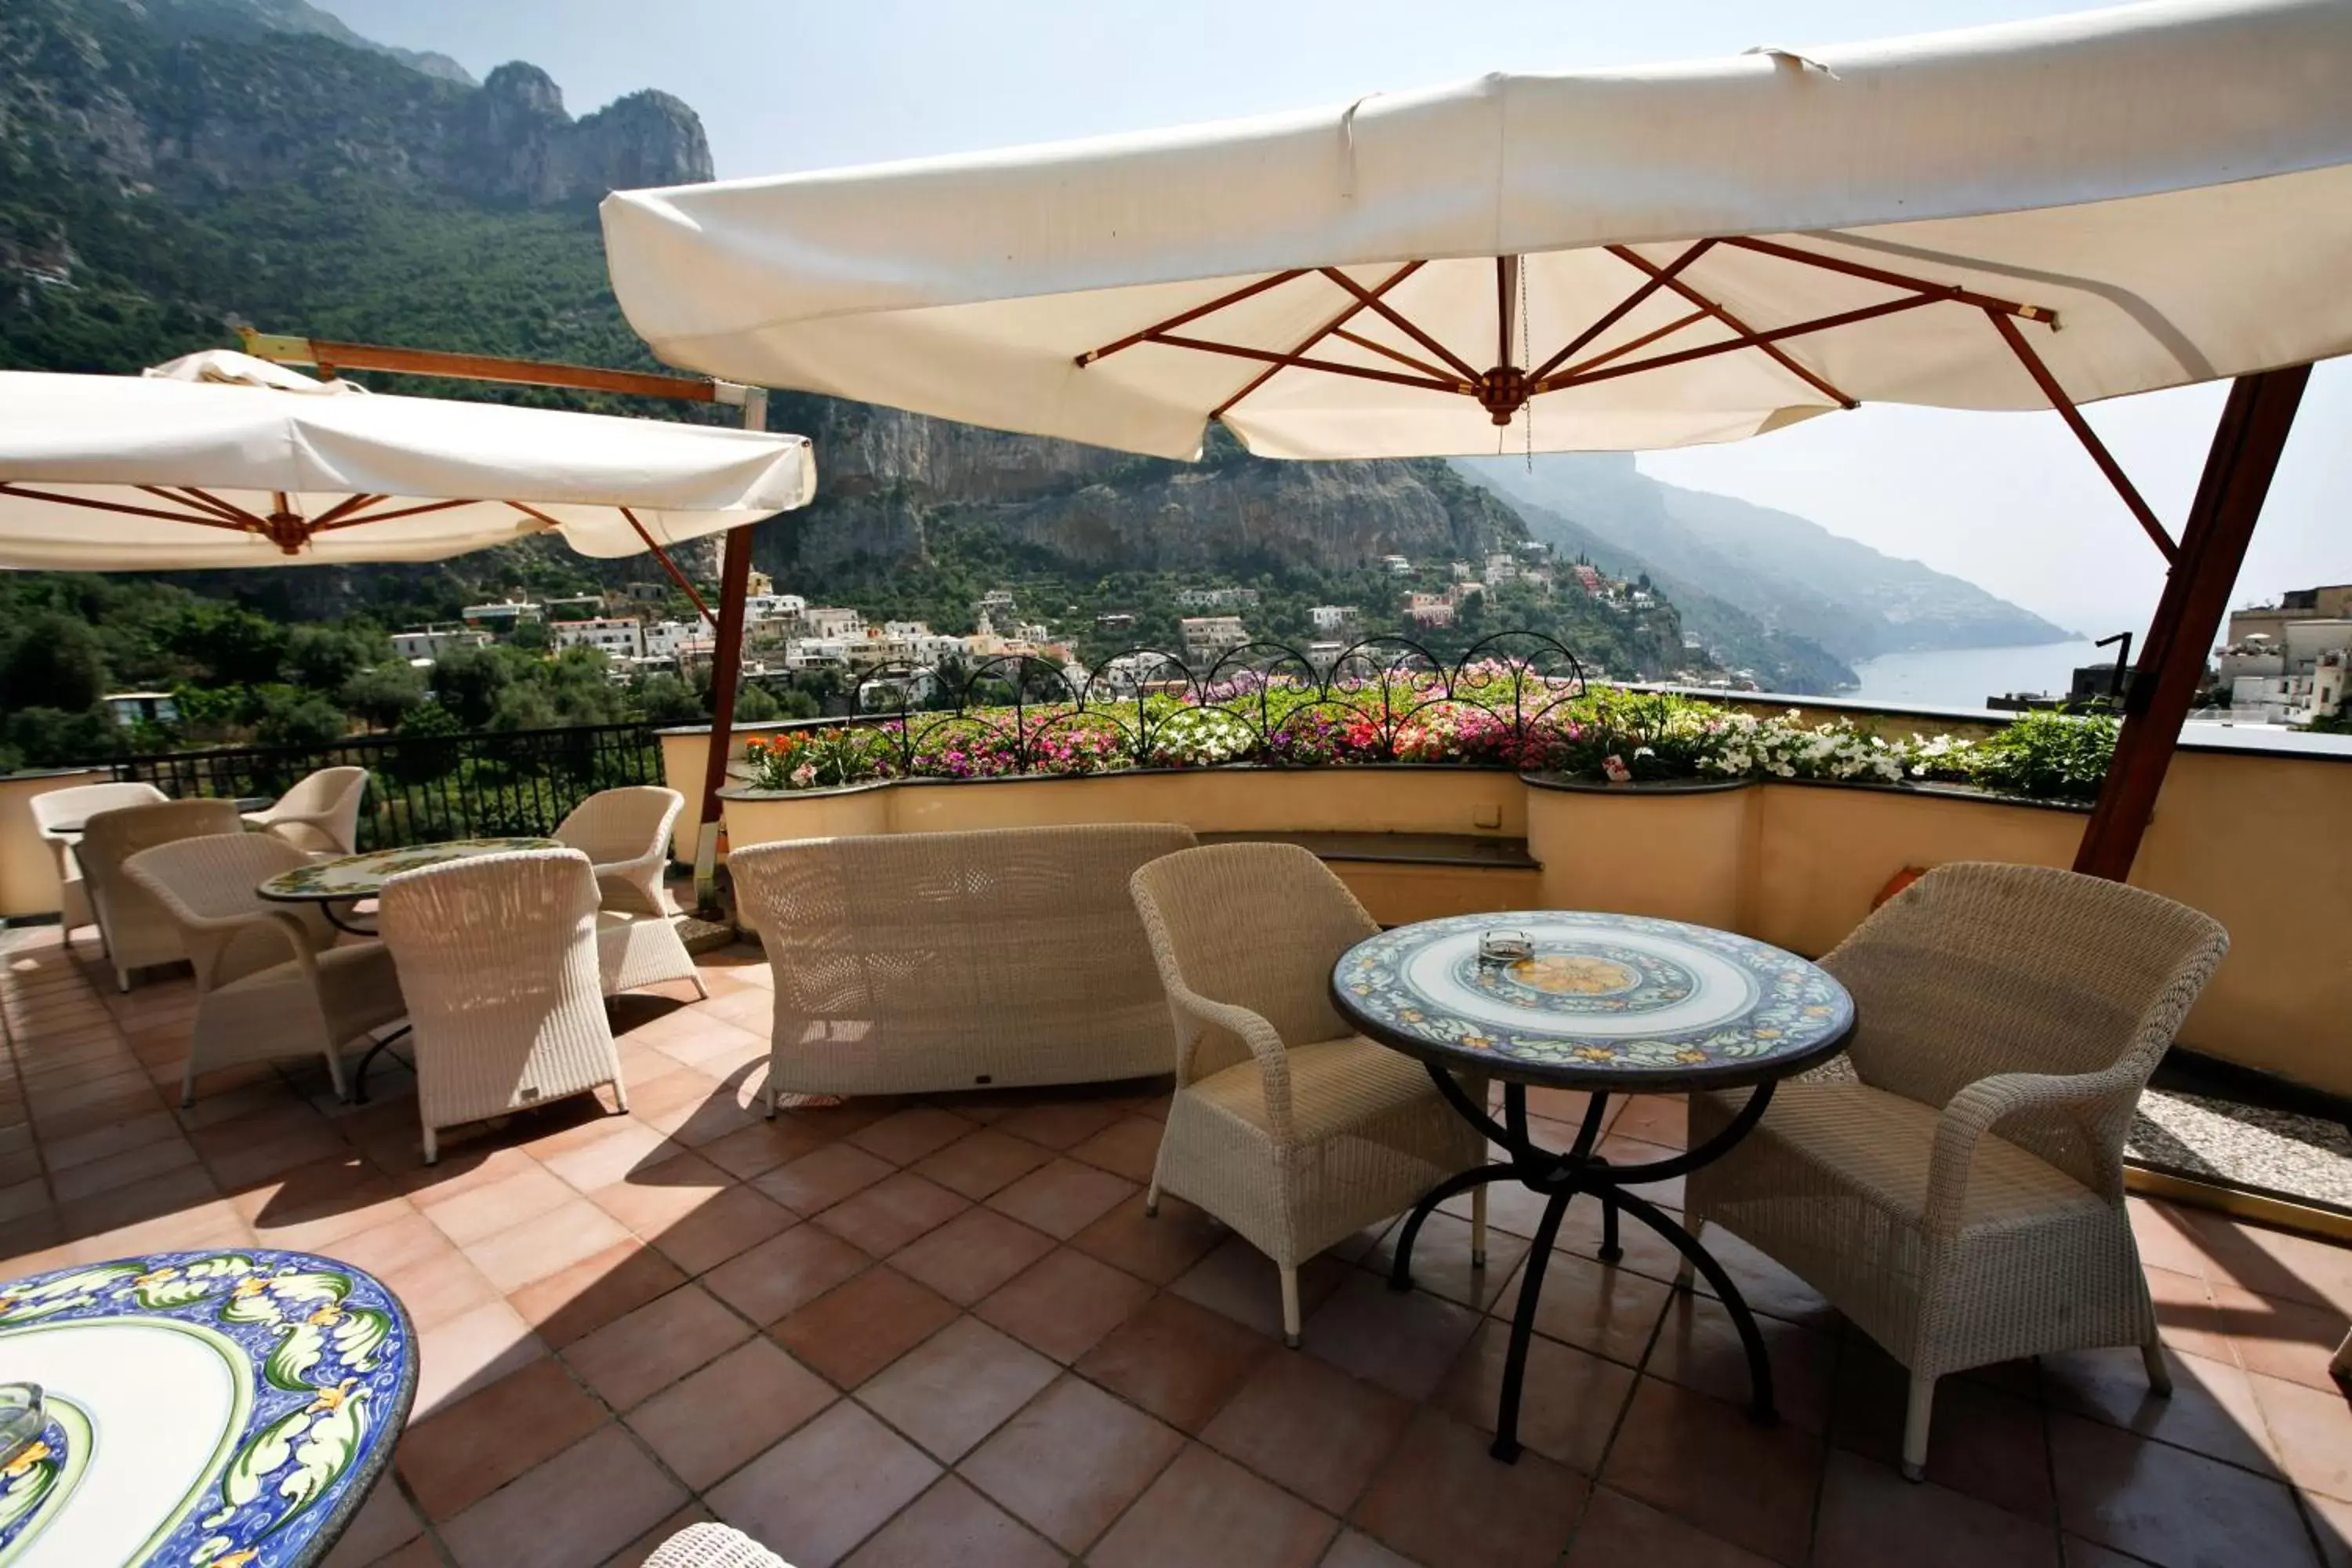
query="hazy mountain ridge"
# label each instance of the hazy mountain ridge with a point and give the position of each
(254, 19)
(1792, 576)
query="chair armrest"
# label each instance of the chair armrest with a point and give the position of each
(1254, 1031)
(1980, 1107)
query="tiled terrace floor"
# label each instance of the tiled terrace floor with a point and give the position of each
(941, 1332)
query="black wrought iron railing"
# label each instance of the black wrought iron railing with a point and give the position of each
(423, 788)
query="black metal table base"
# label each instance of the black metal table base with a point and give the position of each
(359, 1078)
(1560, 1177)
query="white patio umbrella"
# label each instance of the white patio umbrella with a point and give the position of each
(2009, 217)
(222, 459)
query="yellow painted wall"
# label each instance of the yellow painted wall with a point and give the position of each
(1677, 854)
(28, 872)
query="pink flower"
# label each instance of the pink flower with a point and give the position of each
(1614, 766)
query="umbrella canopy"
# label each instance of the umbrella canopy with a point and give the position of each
(2006, 217)
(221, 460)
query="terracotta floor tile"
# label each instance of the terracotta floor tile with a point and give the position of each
(482, 1442)
(1354, 1549)
(972, 1255)
(2186, 1317)
(862, 1326)
(2331, 1524)
(760, 1148)
(636, 1356)
(654, 1196)
(1063, 1198)
(590, 1293)
(906, 1136)
(1706, 1462)
(635, 1553)
(891, 1213)
(2167, 1505)
(548, 1244)
(580, 1507)
(1699, 1346)
(732, 1222)
(1159, 1247)
(951, 1392)
(2211, 1408)
(1060, 1123)
(785, 1273)
(1608, 1311)
(1238, 1280)
(471, 1352)
(981, 1163)
(482, 1211)
(119, 1170)
(1764, 1285)
(1206, 1508)
(1176, 1360)
(1128, 1147)
(2165, 1237)
(1568, 1403)
(1870, 1515)
(438, 1288)
(384, 1524)
(604, 1150)
(1310, 1427)
(156, 1197)
(818, 1181)
(313, 1207)
(1441, 1260)
(1072, 1462)
(1402, 1340)
(1064, 1304)
(1662, 1119)
(2312, 1432)
(1444, 1501)
(952, 1526)
(1618, 1533)
(814, 1496)
(2272, 1262)
(713, 1421)
(2278, 1338)
(1983, 1442)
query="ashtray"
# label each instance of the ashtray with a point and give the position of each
(23, 1418)
(1501, 947)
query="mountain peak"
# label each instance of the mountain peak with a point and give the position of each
(248, 19)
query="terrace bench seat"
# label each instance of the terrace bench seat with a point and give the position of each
(1471, 851)
(921, 963)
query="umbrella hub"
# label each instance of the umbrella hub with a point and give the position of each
(1503, 391)
(290, 530)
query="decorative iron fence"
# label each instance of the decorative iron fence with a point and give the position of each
(421, 788)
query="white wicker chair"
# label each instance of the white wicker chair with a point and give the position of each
(137, 930)
(270, 980)
(79, 804)
(624, 833)
(712, 1546)
(1286, 1126)
(498, 960)
(925, 963)
(1954, 1184)
(321, 814)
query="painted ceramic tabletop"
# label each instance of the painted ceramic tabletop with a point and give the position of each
(363, 876)
(226, 1409)
(1617, 1001)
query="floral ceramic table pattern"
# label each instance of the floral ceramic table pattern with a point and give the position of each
(225, 1409)
(1621, 1001)
(363, 876)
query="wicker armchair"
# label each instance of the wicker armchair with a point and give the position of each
(712, 1546)
(1286, 1126)
(498, 959)
(270, 980)
(78, 805)
(624, 833)
(137, 930)
(1954, 1184)
(923, 962)
(321, 814)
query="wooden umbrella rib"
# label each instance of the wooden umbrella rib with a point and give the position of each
(1611, 318)
(1645, 341)
(1354, 309)
(1235, 297)
(1268, 357)
(668, 565)
(1896, 279)
(344, 509)
(204, 501)
(420, 510)
(1396, 354)
(1776, 334)
(1714, 308)
(1398, 321)
(2089, 437)
(199, 520)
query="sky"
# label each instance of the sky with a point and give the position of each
(2008, 501)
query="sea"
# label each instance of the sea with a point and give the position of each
(1966, 676)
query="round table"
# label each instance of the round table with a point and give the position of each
(352, 878)
(233, 1407)
(1608, 1004)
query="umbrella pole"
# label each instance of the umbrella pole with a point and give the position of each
(2237, 470)
(726, 669)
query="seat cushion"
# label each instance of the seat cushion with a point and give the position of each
(1883, 1143)
(1334, 1085)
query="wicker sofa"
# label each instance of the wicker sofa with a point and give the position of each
(929, 962)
